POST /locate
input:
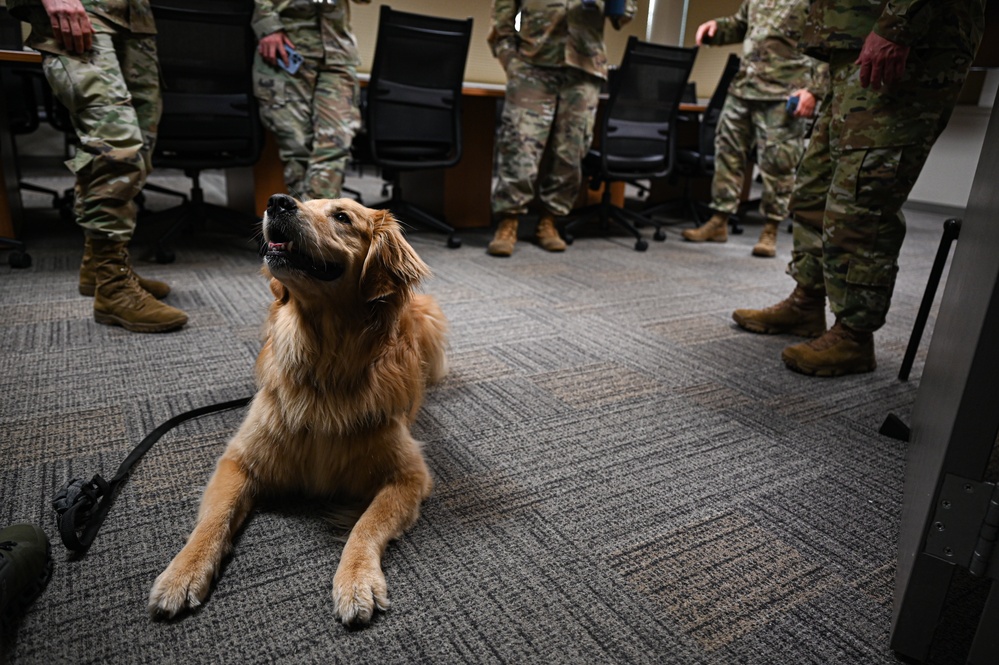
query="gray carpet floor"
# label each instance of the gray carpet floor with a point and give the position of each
(622, 476)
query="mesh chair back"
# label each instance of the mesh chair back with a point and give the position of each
(637, 133)
(413, 108)
(210, 117)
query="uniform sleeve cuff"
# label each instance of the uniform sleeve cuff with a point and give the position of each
(893, 26)
(266, 26)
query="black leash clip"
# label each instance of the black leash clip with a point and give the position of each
(79, 509)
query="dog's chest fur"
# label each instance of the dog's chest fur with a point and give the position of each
(328, 396)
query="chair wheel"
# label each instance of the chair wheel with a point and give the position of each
(568, 238)
(659, 235)
(164, 255)
(641, 245)
(453, 243)
(19, 259)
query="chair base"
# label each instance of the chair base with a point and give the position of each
(19, 257)
(625, 219)
(692, 210)
(62, 202)
(410, 215)
(192, 214)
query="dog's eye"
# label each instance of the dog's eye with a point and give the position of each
(342, 217)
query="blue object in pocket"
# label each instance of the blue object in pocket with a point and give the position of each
(294, 60)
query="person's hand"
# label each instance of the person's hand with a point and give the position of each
(882, 62)
(271, 48)
(806, 103)
(709, 29)
(70, 24)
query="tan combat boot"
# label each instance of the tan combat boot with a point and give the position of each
(120, 301)
(548, 236)
(713, 230)
(840, 351)
(88, 275)
(505, 238)
(767, 244)
(802, 313)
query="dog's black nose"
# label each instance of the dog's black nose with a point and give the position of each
(281, 202)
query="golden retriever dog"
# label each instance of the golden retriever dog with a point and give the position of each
(348, 350)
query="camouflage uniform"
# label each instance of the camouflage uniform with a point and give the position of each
(554, 66)
(868, 147)
(314, 113)
(772, 68)
(113, 95)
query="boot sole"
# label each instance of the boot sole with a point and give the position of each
(828, 372)
(111, 320)
(759, 328)
(766, 254)
(719, 240)
(90, 290)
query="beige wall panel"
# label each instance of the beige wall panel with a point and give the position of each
(710, 59)
(481, 67)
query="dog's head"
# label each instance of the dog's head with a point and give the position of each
(336, 249)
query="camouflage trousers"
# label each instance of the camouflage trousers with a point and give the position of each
(113, 96)
(779, 139)
(865, 154)
(314, 115)
(545, 131)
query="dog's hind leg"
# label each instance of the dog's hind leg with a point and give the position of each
(187, 580)
(359, 584)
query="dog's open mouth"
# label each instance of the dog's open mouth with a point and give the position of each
(283, 253)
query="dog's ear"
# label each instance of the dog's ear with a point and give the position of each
(391, 266)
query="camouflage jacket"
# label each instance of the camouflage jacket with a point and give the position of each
(318, 29)
(773, 65)
(133, 15)
(553, 33)
(844, 24)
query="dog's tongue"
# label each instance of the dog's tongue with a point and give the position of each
(279, 246)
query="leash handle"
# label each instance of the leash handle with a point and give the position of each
(82, 506)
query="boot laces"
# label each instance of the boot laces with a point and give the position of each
(830, 338)
(507, 231)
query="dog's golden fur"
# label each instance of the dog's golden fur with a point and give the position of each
(348, 350)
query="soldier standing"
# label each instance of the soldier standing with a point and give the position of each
(896, 70)
(555, 65)
(99, 57)
(313, 111)
(755, 113)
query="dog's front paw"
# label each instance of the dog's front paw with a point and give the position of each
(357, 592)
(184, 585)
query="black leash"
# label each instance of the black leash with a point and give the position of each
(82, 506)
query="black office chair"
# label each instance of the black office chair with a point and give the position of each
(700, 162)
(413, 109)
(210, 115)
(637, 132)
(29, 100)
